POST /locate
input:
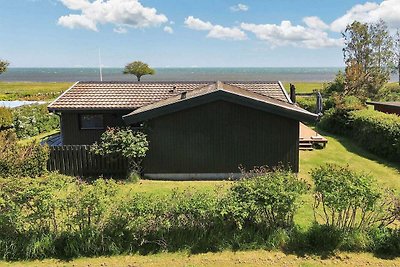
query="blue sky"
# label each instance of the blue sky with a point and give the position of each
(182, 33)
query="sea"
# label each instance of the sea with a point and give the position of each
(172, 74)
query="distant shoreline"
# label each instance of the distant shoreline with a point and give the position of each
(172, 74)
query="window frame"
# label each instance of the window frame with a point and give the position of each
(90, 128)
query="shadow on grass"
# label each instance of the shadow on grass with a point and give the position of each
(352, 146)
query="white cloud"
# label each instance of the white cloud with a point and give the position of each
(168, 29)
(239, 7)
(215, 31)
(388, 10)
(315, 23)
(288, 34)
(122, 13)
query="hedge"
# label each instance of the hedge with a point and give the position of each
(378, 132)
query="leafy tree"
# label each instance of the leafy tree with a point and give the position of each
(138, 69)
(368, 57)
(123, 141)
(396, 51)
(3, 66)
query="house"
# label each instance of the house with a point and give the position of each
(386, 107)
(196, 130)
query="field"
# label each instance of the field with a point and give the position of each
(304, 87)
(31, 90)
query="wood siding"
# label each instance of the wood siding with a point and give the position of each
(73, 135)
(218, 137)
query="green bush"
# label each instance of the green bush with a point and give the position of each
(33, 120)
(378, 132)
(337, 118)
(348, 200)
(5, 118)
(264, 196)
(123, 141)
(21, 160)
(308, 103)
(389, 92)
(59, 216)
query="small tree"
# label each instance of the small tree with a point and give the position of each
(123, 141)
(138, 69)
(3, 66)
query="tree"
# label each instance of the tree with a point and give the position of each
(138, 69)
(368, 57)
(3, 66)
(396, 52)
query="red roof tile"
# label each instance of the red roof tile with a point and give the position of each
(132, 95)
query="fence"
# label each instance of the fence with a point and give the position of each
(79, 161)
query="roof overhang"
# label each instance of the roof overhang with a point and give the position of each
(282, 109)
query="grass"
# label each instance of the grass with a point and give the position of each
(304, 87)
(38, 138)
(225, 258)
(32, 90)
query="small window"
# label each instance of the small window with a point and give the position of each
(91, 121)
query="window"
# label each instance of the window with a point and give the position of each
(91, 121)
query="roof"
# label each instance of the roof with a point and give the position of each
(133, 95)
(219, 91)
(389, 104)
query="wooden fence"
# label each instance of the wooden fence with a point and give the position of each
(79, 161)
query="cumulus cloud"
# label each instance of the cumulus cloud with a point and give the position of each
(168, 29)
(239, 7)
(288, 34)
(388, 10)
(121, 13)
(215, 31)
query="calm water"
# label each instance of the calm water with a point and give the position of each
(172, 74)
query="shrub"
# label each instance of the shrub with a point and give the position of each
(347, 200)
(265, 197)
(21, 160)
(33, 120)
(389, 92)
(378, 132)
(5, 118)
(308, 103)
(125, 142)
(337, 119)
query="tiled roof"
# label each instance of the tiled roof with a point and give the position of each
(164, 106)
(133, 95)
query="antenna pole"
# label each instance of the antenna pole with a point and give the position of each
(101, 71)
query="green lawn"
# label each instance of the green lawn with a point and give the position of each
(32, 90)
(225, 258)
(304, 87)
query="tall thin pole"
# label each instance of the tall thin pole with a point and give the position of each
(101, 71)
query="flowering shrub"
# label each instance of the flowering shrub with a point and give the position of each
(33, 120)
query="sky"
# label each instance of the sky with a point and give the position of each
(183, 33)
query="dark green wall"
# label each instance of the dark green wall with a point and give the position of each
(72, 135)
(218, 137)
